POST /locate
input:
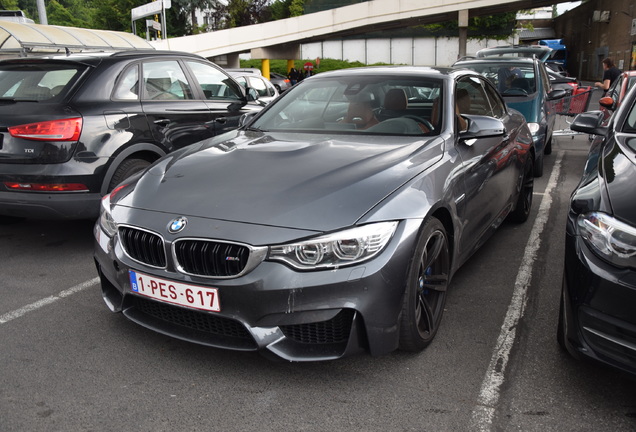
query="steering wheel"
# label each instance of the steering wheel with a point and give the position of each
(422, 121)
(515, 91)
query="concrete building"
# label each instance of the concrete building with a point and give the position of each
(597, 29)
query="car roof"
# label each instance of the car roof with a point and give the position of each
(244, 71)
(510, 49)
(426, 71)
(243, 74)
(497, 60)
(98, 56)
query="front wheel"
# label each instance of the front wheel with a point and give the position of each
(524, 200)
(548, 147)
(426, 286)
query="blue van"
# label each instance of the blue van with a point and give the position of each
(559, 54)
(525, 86)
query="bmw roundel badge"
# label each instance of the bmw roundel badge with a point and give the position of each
(177, 225)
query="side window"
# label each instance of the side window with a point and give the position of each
(259, 85)
(470, 97)
(498, 108)
(630, 124)
(128, 86)
(615, 88)
(165, 80)
(214, 83)
(241, 80)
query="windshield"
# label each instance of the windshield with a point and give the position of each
(510, 79)
(372, 105)
(630, 124)
(35, 82)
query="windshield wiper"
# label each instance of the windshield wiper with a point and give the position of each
(255, 129)
(13, 100)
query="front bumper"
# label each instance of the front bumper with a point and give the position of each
(274, 309)
(599, 304)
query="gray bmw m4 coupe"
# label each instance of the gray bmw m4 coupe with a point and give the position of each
(329, 223)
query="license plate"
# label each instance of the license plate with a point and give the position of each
(175, 292)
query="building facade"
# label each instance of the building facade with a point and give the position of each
(595, 30)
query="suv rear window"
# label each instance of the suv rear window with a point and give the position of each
(35, 82)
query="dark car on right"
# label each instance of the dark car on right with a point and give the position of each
(597, 316)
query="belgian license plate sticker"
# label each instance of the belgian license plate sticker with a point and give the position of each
(168, 291)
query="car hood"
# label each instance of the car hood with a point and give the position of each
(619, 171)
(304, 181)
(526, 105)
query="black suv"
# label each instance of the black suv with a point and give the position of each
(72, 127)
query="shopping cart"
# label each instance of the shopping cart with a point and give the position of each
(570, 106)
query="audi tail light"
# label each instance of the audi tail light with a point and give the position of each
(53, 130)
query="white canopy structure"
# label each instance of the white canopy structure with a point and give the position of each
(21, 39)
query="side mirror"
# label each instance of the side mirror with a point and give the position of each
(246, 118)
(589, 122)
(252, 94)
(607, 102)
(482, 126)
(556, 94)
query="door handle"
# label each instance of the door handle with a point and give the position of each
(162, 122)
(221, 120)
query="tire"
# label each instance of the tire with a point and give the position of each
(524, 202)
(426, 286)
(548, 147)
(127, 168)
(538, 166)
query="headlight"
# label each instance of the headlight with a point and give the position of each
(106, 221)
(534, 128)
(347, 247)
(610, 238)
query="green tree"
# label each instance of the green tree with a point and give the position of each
(279, 9)
(246, 12)
(297, 8)
(114, 14)
(189, 8)
(72, 13)
(9, 5)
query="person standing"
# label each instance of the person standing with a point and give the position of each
(610, 73)
(293, 76)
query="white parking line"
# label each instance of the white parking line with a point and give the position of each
(47, 300)
(484, 412)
